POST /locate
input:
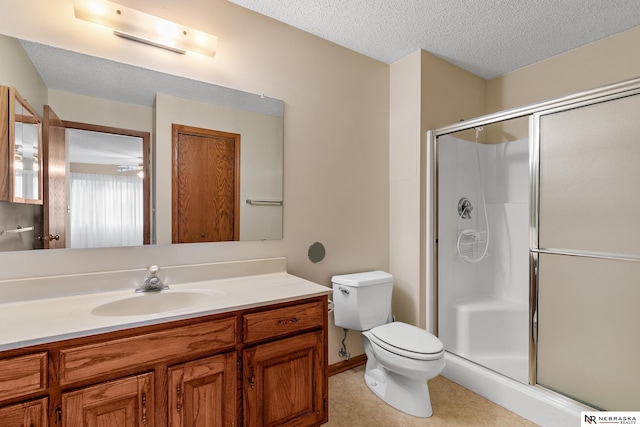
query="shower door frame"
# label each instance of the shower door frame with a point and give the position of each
(534, 112)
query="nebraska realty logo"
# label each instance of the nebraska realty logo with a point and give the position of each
(627, 418)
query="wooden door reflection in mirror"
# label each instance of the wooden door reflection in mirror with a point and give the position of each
(54, 182)
(205, 185)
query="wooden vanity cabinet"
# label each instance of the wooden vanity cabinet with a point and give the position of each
(264, 366)
(283, 378)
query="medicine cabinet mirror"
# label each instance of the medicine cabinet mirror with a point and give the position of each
(22, 142)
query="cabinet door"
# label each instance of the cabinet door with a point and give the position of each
(203, 393)
(285, 383)
(32, 414)
(127, 402)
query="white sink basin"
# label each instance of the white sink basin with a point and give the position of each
(152, 303)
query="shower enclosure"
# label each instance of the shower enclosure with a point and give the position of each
(483, 253)
(535, 248)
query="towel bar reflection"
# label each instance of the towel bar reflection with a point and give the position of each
(16, 230)
(264, 202)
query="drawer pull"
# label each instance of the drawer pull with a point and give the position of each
(288, 322)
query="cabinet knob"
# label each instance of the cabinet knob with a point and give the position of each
(201, 234)
(52, 237)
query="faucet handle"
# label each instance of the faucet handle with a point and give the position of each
(153, 270)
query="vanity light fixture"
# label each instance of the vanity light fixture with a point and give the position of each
(142, 27)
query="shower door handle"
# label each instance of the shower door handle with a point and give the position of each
(534, 330)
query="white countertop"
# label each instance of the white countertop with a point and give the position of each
(40, 321)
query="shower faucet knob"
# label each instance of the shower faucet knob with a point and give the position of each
(464, 208)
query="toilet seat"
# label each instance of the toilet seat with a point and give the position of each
(407, 341)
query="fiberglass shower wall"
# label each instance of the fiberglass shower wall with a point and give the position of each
(483, 311)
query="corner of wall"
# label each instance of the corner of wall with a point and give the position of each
(448, 94)
(426, 92)
(600, 63)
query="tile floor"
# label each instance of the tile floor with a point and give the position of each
(352, 404)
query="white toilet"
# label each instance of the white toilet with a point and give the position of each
(400, 357)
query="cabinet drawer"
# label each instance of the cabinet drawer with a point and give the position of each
(113, 356)
(281, 321)
(23, 375)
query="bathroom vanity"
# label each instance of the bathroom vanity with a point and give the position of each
(254, 354)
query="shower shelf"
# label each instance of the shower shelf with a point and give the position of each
(472, 237)
(470, 242)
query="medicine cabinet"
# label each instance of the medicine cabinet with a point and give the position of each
(20, 149)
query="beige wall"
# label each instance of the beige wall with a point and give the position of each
(604, 62)
(404, 185)
(85, 109)
(257, 130)
(426, 92)
(449, 95)
(21, 74)
(336, 177)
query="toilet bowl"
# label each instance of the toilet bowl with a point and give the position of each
(401, 358)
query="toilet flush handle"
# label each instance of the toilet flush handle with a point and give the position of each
(344, 291)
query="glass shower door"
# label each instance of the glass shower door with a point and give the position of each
(589, 253)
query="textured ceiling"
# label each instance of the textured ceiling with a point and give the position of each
(486, 37)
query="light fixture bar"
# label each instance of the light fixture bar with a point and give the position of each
(147, 41)
(142, 27)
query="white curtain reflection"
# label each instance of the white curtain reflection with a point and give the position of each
(26, 184)
(106, 210)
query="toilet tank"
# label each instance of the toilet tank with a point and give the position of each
(362, 301)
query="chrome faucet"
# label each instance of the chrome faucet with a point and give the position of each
(464, 208)
(152, 283)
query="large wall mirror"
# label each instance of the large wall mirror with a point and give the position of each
(107, 109)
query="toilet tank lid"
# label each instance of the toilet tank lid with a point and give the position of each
(363, 279)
